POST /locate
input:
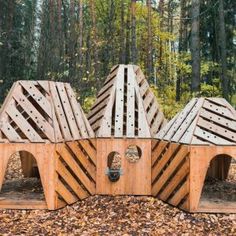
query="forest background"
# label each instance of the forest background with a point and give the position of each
(186, 48)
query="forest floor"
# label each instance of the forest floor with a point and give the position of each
(119, 215)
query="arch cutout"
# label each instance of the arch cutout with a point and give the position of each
(21, 187)
(218, 193)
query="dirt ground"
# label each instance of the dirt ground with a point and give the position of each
(120, 215)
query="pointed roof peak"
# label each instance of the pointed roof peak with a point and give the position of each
(126, 106)
(42, 111)
(203, 121)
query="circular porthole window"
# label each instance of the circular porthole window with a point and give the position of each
(133, 153)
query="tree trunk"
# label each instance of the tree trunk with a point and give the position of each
(80, 46)
(149, 58)
(122, 34)
(223, 57)
(133, 33)
(94, 39)
(195, 47)
(181, 38)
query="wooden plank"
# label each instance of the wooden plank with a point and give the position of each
(156, 170)
(112, 73)
(130, 118)
(33, 113)
(151, 113)
(181, 118)
(143, 127)
(83, 159)
(105, 123)
(220, 110)
(211, 138)
(66, 156)
(148, 100)
(144, 87)
(65, 193)
(193, 114)
(156, 126)
(189, 133)
(9, 132)
(178, 177)
(38, 97)
(218, 119)
(181, 193)
(119, 103)
(71, 120)
(20, 204)
(76, 111)
(166, 128)
(45, 85)
(157, 152)
(216, 129)
(60, 113)
(71, 181)
(181, 154)
(25, 127)
(107, 86)
(96, 109)
(89, 150)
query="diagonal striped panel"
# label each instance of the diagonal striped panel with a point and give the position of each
(42, 111)
(204, 121)
(170, 173)
(76, 170)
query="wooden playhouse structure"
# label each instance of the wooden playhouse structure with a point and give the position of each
(198, 142)
(124, 117)
(43, 122)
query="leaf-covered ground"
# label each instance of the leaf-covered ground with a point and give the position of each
(108, 215)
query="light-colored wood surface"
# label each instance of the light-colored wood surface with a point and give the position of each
(126, 106)
(136, 177)
(203, 121)
(42, 112)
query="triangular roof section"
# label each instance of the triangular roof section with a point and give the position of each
(42, 112)
(126, 106)
(204, 121)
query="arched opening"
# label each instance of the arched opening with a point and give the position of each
(22, 186)
(114, 166)
(219, 190)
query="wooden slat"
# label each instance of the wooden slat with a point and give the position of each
(44, 85)
(178, 177)
(207, 136)
(66, 156)
(220, 110)
(156, 126)
(181, 193)
(71, 120)
(164, 160)
(181, 154)
(216, 129)
(38, 97)
(148, 100)
(60, 113)
(33, 113)
(65, 193)
(188, 121)
(218, 119)
(181, 117)
(144, 87)
(89, 150)
(151, 113)
(130, 118)
(77, 112)
(25, 127)
(83, 159)
(71, 181)
(158, 150)
(119, 103)
(9, 132)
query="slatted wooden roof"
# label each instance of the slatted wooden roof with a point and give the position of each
(204, 121)
(42, 111)
(126, 106)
